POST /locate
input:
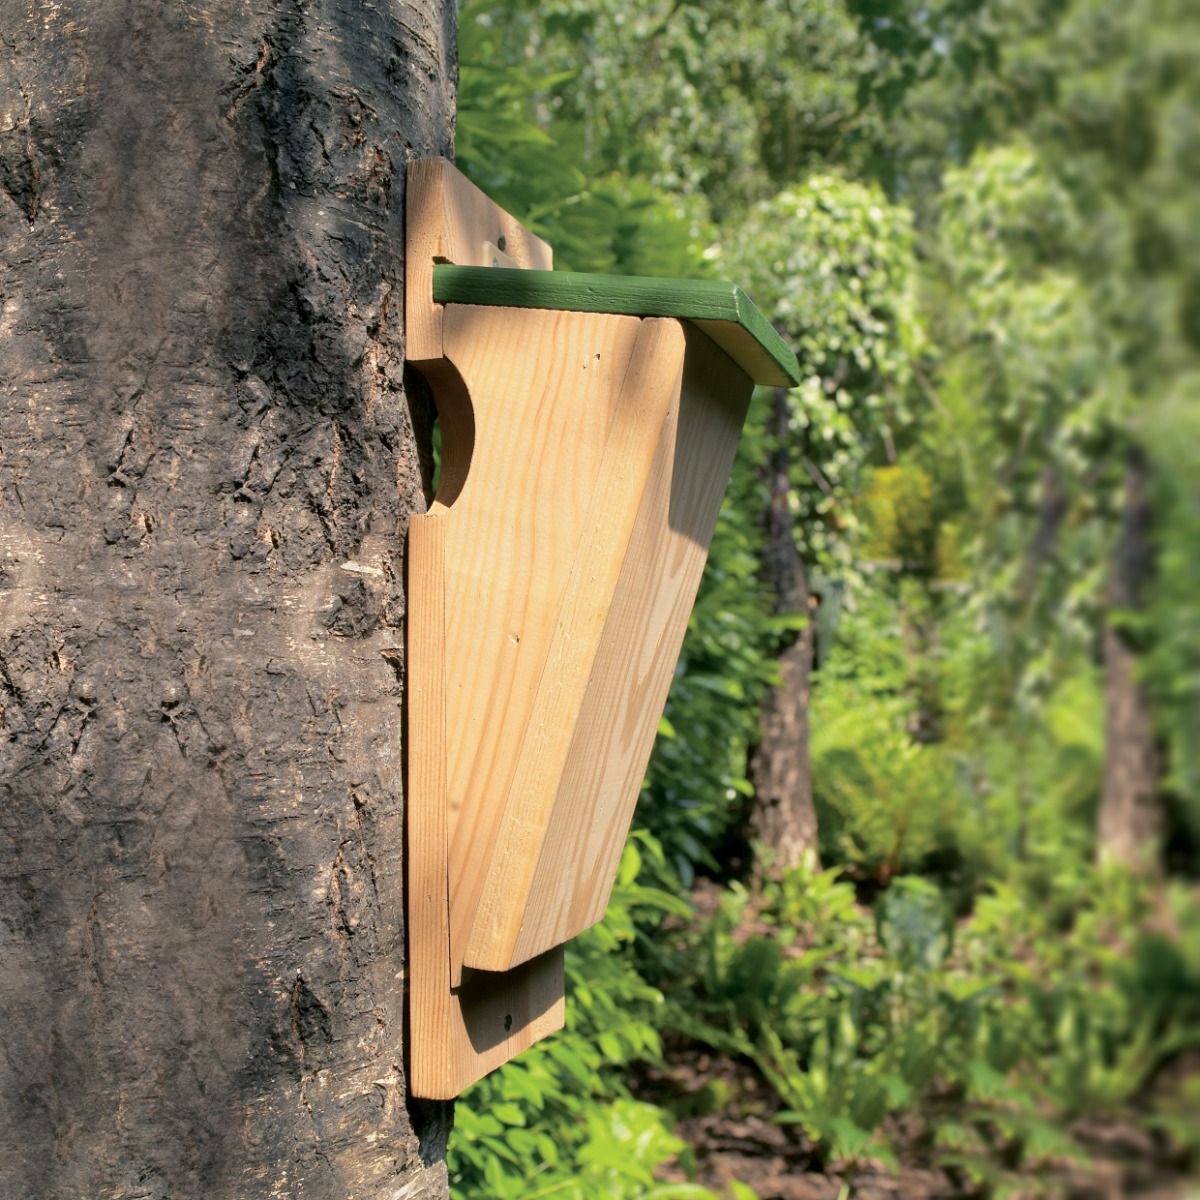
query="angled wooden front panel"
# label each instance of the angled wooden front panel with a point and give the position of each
(570, 652)
(567, 412)
(576, 825)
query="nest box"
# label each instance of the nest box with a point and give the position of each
(588, 430)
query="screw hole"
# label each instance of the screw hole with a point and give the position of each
(507, 1022)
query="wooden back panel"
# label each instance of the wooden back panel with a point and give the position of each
(449, 220)
(461, 1024)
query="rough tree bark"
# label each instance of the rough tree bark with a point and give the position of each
(206, 463)
(1131, 812)
(782, 815)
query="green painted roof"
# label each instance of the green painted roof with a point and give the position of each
(722, 310)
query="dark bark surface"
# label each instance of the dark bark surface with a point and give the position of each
(206, 462)
(783, 817)
(1131, 812)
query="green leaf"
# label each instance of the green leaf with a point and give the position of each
(510, 1114)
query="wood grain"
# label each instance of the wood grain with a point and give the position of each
(573, 555)
(457, 1034)
(428, 887)
(449, 220)
(461, 1025)
(643, 405)
(585, 454)
(635, 661)
(544, 387)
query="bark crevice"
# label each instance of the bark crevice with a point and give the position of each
(206, 466)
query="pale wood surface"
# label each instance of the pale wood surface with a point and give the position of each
(544, 387)
(456, 1035)
(584, 460)
(574, 551)
(450, 220)
(635, 661)
(428, 891)
(595, 554)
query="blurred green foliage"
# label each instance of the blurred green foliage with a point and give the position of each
(978, 222)
(831, 262)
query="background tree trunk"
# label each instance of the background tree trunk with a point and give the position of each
(783, 817)
(206, 463)
(1131, 813)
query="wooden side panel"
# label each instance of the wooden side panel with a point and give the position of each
(636, 660)
(450, 220)
(544, 388)
(456, 1035)
(646, 400)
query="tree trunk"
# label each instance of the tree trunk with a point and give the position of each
(783, 818)
(206, 465)
(1131, 815)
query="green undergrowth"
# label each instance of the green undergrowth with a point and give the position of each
(996, 1032)
(980, 234)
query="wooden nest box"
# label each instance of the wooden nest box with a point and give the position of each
(588, 430)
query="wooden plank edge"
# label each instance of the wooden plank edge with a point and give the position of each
(427, 808)
(456, 1035)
